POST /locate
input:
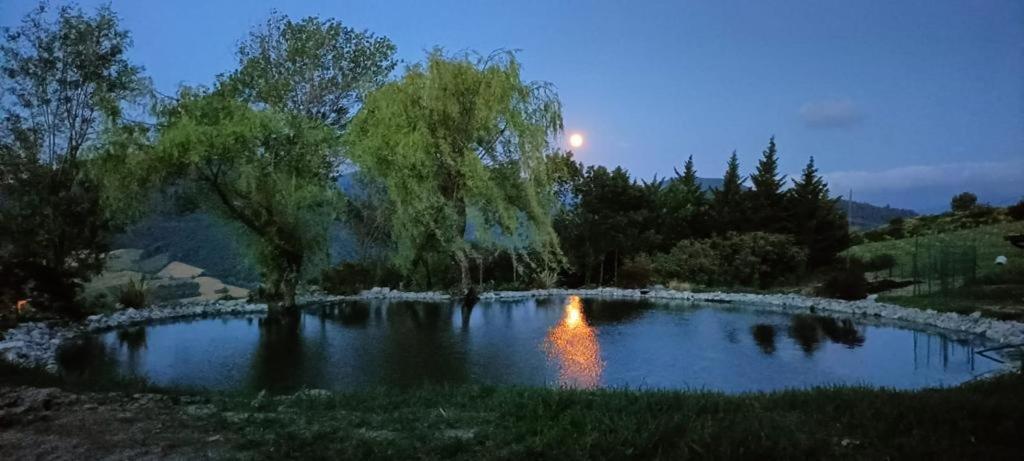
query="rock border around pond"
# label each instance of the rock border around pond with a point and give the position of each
(36, 344)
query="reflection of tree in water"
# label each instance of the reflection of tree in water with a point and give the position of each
(277, 364)
(421, 346)
(572, 343)
(88, 359)
(810, 330)
(132, 338)
(608, 311)
(346, 313)
(764, 336)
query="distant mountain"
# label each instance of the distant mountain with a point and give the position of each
(867, 216)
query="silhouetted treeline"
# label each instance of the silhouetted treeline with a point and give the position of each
(609, 220)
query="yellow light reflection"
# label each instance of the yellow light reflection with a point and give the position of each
(572, 343)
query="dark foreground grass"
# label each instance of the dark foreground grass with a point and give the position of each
(979, 420)
(982, 420)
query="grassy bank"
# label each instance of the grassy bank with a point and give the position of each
(997, 291)
(980, 420)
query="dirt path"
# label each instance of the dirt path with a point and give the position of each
(48, 423)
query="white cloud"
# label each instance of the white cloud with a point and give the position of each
(836, 113)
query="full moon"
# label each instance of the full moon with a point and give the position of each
(576, 140)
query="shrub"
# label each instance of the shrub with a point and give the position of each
(845, 283)
(1016, 212)
(751, 259)
(133, 295)
(636, 272)
(962, 202)
(880, 263)
(691, 261)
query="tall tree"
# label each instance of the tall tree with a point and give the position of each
(767, 197)
(457, 133)
(263, 149)
(65, 76)
(269, 174)
(318, 68)
(613, 221)
(817, 222)
(728, 204)
(683, 207)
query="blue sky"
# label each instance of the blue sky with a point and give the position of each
(905, 102)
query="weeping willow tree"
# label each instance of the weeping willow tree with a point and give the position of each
(455, 135)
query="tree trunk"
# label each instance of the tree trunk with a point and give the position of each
(463, 262)
(600, 277)
(287, 285)
(615, 265)
(515, 270)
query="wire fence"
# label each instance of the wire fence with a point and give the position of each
(933, 267)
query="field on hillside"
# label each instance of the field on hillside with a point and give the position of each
(966, 259)
(987, 240)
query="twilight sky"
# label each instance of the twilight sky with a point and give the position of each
(906, 103)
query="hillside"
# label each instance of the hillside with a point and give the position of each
(956, 270)
(867, 216)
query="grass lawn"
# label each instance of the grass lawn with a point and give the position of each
(982, 420)
(979, 420)
(987, 239)
(997, 291)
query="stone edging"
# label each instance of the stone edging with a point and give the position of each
(36, 344)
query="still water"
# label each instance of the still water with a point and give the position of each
(547, 342)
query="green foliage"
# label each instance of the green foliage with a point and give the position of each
(766, 201)
(317, 68)
(963, 202)
(613, 218)
(846, 283)
(456, 134)
(728, 207)
(978, 420)
(682, 207)
(814, 218)
(753, 259)
(1016, 212)
(880, 262)
(64, 77)
(636, 272)
(267, 173)
(133, 295)
(350, 278)
(262, 150)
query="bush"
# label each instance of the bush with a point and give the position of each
(636, 272)
(133, 295)
(964, 201)
(755, 259)
(845, 283)
(880, 263)
(1016, 212)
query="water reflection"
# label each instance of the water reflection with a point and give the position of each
(553, 341)
(764, 336)
(572, 344)
(277, 363)
(809, 331)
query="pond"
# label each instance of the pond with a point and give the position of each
(564, 341)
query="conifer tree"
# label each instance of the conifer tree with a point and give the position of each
(727, 203)
(815, 219)
(767, 198)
